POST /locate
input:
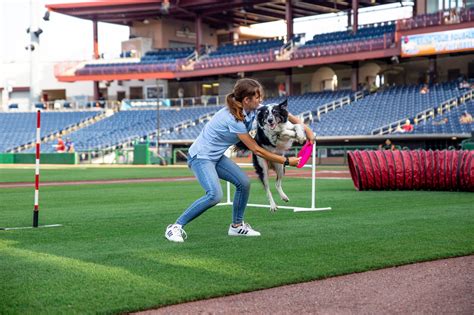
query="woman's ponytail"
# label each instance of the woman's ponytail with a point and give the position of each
(235, 107)
(243, 88)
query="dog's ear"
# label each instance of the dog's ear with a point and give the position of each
(284, 104)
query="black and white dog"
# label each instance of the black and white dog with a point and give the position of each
(275, 134)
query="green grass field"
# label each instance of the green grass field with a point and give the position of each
(111, 256)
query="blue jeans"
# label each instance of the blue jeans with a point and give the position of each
(208, 173)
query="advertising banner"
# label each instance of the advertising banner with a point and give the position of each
(438, 43)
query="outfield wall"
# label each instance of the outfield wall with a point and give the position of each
(46, 158)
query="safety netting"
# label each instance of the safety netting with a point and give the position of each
(412, 169)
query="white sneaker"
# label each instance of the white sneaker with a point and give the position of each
(244, 230)
(175, 233)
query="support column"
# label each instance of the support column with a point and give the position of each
(355, 12)
(96, 56)
(198, 33)
(289, 82)
(349, 20)
(432, 70)
(289, 20)
(355, 76)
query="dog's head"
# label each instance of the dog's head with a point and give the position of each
(273, 114)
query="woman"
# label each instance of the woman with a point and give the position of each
(207, 160)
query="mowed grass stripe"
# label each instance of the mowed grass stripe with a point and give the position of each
(77, 174)
(8, 175)
(111, 255)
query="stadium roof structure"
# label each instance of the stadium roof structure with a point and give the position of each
(216, 13)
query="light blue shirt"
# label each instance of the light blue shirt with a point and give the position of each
(219, 134)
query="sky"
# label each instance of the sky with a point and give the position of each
(63, 38)
(66, 38)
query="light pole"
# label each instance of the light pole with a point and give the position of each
(35, 33)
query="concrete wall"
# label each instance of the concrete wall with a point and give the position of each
(164, 31)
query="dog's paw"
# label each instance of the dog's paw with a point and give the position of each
(301, 140)
(273, 207)
(300, 134)
(284, 198)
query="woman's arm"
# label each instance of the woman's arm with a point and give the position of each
(267, 155)
(307, 130)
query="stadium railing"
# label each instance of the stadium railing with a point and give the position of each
(448, 17)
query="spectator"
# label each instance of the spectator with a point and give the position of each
(373, 88)
(464, 85)
(388, 145)
(101, 102)
(443, 121)
(465, 118)
(281, 89)
(407, 127)
(424, 89)
(60, 147)
(180, 92)
(69, 146)
(181, 96)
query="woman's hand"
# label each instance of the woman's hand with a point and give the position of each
(309, 134)
(294, 160)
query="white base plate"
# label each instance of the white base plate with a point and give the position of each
(30, 227)
(295, 209)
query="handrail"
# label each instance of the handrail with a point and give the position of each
(306, 116)
(324, 109)
(358, 95)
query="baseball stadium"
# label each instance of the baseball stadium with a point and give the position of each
(361, 111)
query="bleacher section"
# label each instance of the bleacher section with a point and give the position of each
(18, 129)
(367, 38)
(127, 126)
(360, 117)
(382, 108)
(247, 52)
(169, 59)
(448, 123)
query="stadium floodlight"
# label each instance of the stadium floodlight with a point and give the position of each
(38, 32)
(46, 16)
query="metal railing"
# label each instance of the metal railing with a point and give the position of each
(324, 109)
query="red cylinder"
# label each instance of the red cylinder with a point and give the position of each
(407, 170)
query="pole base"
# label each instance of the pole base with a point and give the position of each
(29, 227)
(295, 209)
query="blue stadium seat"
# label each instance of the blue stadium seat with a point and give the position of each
(20, 128)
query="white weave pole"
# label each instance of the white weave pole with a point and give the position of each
(295, 209)
(37, 182)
